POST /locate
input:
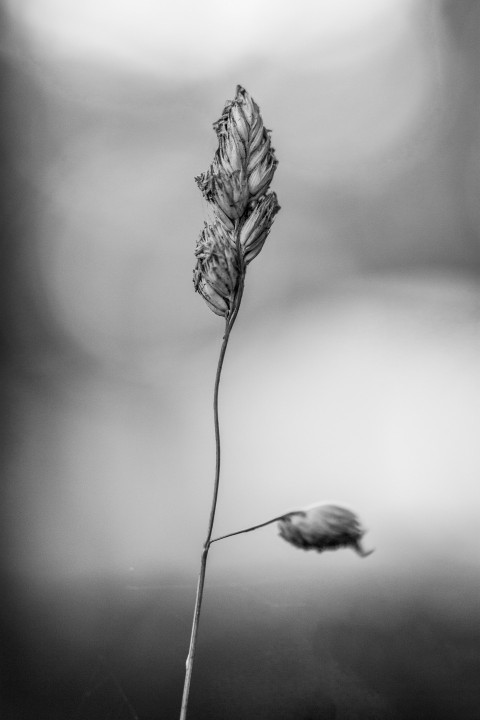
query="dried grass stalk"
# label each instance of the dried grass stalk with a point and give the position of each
(243, 209)
(236, 188)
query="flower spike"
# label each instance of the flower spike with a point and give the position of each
(236, 189)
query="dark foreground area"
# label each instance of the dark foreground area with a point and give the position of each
(97, 650)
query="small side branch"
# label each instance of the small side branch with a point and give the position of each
(255, 527)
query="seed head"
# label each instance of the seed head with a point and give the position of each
(216, 274)
(235, 186)
(323, 527)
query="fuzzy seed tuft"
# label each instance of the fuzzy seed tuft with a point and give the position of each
(323, 527)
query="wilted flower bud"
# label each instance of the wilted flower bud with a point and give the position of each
(323, 527)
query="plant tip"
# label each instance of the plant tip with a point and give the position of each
(236, 186)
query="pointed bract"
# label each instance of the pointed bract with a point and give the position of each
(256, 226)
(216, 274)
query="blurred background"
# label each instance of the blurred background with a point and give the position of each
(353, 373)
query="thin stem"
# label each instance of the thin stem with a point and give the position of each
(254, 527)
(203, 562)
